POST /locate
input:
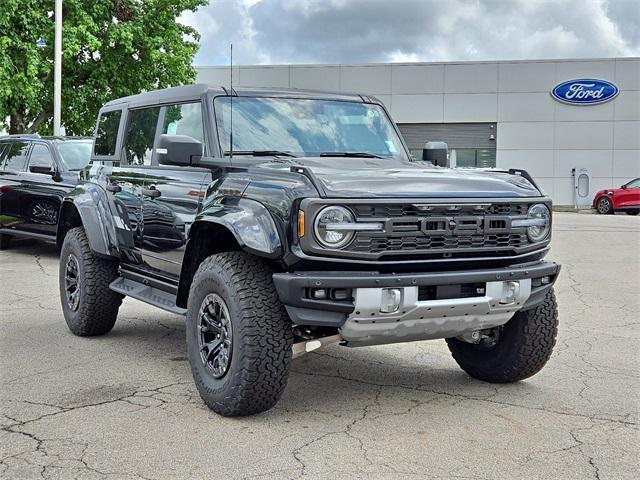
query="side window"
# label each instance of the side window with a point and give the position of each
(634, 184)
(141, 132)
(40, 158)
(16, 156)
(107, 133)
(184, 119)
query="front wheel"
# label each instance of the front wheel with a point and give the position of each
(239, 336)
(89, 306)
(521, 348)
(604, 206)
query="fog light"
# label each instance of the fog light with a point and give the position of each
(391, 298)
(341, 294)
(319, 293)
(545, 280)
(510, 291)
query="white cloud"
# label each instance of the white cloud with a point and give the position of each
(356, 31)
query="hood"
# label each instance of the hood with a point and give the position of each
(362, 178)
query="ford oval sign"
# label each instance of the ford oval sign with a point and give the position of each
(584, 91)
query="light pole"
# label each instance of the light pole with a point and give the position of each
(57, 69)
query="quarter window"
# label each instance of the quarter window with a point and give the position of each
(40, 157)
(16, 156)
(141, 132)
(184, 119)
(107, 133)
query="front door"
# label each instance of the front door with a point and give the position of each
(170, 202)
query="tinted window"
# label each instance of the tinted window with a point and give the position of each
(16, 156)
(184, 119)
(75, 155)
(107, 133)
(307, 127)
(141, 132)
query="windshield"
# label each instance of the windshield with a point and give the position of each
(305, 127)
(75, 155)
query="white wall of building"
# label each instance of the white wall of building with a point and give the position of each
(535, 132)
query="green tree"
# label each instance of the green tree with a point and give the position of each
(110, 49)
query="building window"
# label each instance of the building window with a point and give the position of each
(474, 157)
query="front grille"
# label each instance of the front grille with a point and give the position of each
(367, 242)
(441, 230)
(394, 211)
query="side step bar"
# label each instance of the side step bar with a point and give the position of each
(154, 296)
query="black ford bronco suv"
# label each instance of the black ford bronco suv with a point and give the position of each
(279, 221)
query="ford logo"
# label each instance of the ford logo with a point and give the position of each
(584, 91)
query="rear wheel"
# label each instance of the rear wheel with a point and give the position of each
(604, 206)
(633, 211)
(515, 351)
(239, 336)
(89, 306)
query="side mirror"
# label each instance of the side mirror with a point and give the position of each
(178, 150)
(44, 169)
(624, 187)
(436, 153)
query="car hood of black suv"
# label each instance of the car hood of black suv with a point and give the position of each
(365, 177)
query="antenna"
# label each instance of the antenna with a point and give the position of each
(231, 106)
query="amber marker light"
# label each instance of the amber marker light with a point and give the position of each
(300, 223)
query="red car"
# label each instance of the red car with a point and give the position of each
(625, 199)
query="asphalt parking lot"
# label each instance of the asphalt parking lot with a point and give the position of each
(124, 405)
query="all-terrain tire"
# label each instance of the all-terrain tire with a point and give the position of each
(4, 241)
(524, 346)
(260, 358)
(97, 306)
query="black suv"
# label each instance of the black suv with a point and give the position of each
(279, 221)
(36, 173)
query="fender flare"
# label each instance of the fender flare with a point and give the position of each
(249, 222)
(92, 205)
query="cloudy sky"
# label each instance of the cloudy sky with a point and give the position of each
(367, 31)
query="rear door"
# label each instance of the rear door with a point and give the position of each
(42, 190)
(121, 182)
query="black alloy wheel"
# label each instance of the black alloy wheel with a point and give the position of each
(215, 340)
(72, 282)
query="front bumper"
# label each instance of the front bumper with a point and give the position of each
(360, 320)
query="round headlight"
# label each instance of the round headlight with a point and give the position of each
(332, 226)
(541, 214)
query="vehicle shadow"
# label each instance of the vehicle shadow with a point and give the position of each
(332, 379)
(28, 246)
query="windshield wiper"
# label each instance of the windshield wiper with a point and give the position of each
(350, 154)
(260, 153)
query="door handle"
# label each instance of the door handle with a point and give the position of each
(151, 192)
(112, 187)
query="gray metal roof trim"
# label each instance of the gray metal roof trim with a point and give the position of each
(194, 92)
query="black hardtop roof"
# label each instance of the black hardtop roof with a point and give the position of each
(194, 92)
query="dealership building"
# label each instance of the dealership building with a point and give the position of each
(496, 114)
